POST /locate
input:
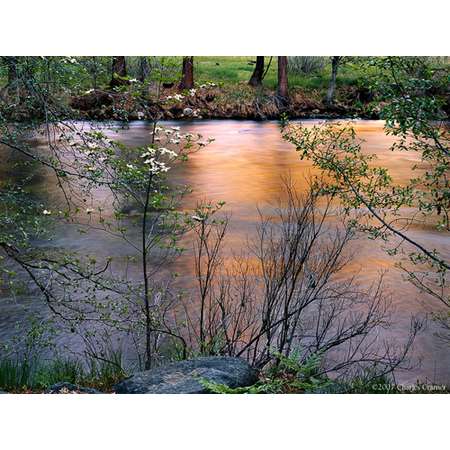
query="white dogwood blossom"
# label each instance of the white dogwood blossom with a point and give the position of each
(156, 166)
(167, 152)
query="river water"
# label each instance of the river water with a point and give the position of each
(244, 167)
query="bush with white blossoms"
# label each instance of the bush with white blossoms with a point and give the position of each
(123, 192)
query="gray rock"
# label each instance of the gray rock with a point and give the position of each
(188, 112)
(184, 377)
(64, 387)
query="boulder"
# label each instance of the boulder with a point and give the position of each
(64, 387)
(188, 112)
(184, 377)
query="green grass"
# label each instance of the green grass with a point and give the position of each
(23, 375)
(232, 70)
(236, 69)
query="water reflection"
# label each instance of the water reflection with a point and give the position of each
(244, 167)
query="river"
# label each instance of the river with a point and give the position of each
(244, 167)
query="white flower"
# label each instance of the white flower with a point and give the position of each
(197, 218)
(156, 166)
(166, 151)
(174, 141)
(46, 212)
(89, 91)
(177, 97)
(130, 166)
(149, 152)
(133, 80)
(192, 92)
(89, 210)
(175, 128)
(168, 132)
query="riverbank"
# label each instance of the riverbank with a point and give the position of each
(202, 375)
(210, 101)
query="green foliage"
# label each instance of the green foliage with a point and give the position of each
(286, 376)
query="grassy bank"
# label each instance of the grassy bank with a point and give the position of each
(35, 375)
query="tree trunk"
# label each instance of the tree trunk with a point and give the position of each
(94, 72)
(332, 86)
(256, 78)
(282, 79)
(119, 71)
(187, 74)
(144, 68)
(12, 87)
(11, 62)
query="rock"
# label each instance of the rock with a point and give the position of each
(64, 387)
(92, 100)
(188, 112)
(183, 377)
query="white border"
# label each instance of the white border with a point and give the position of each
(251, 422)
(224, 27)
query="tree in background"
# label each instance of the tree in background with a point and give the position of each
(187, 74)
(257, 75)
(335, 62)
(282, 90)
(11, 62)
(144, 68)
(119, 72)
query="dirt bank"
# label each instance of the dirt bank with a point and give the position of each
(214, 102)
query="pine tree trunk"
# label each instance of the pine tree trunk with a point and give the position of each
(144, 68)
(119, 71)
(282, 79)
(187, 74)
(256, 78)
(332, 86)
